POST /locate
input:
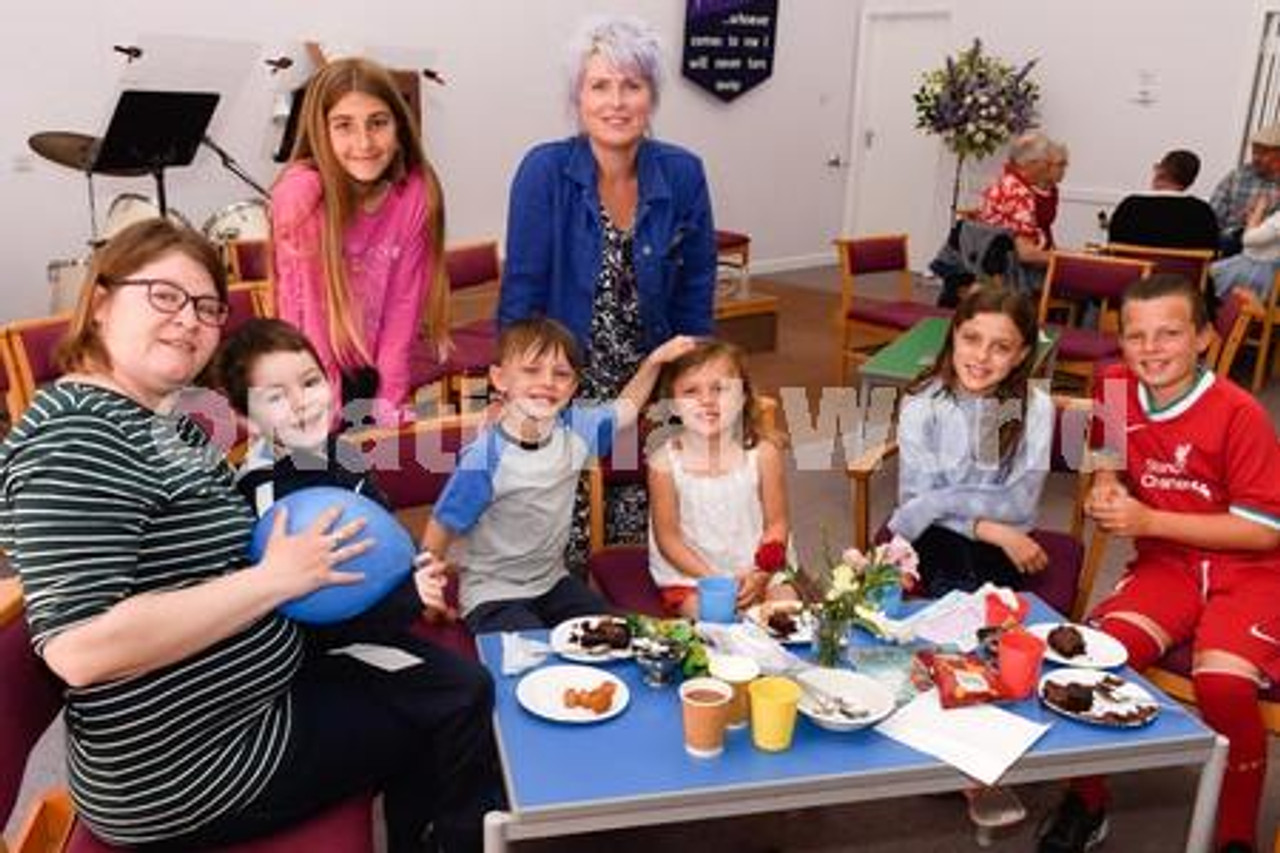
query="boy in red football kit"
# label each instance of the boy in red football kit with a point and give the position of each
(1196, 486)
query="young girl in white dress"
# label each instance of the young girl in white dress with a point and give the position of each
(717, 489)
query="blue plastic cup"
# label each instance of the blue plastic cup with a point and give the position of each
(717, 599)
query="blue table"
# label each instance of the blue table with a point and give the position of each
(633, 770)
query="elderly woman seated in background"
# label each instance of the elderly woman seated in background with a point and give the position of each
(1011, 202)
(194, 714)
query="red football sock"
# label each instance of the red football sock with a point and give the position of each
(1143, 651)
(1229, 704)
(1142, 647)
(1092, 791)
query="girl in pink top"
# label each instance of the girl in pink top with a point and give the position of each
(357, 221)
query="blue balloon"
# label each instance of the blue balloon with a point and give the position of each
(384, 566)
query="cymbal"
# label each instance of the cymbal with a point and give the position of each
(75, 150)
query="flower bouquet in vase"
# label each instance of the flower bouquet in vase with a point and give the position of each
(858, 589)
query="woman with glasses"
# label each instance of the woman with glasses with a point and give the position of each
(194, 717)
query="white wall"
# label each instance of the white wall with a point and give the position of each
(1196, 57)
(765, 153)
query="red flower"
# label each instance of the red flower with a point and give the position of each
(771, 556)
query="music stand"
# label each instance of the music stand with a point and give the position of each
(154, 130)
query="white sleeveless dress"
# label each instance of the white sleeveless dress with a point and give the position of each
(721, 518)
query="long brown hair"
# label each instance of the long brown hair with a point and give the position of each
(126, 253)
(1015, 305)
(755, 428)
(335, 80)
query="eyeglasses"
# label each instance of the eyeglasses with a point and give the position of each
(168, 297)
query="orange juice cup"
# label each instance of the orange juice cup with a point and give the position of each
(704, 704)
(773, 712)
(737, 671)
(1018, 656)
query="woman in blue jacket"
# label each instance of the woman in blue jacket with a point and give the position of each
(610, 231)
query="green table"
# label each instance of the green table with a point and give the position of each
(913, 352)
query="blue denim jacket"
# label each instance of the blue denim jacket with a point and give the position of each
(554, 237)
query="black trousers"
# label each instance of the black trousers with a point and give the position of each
(567, 599)
(949, 561)
(420, 735)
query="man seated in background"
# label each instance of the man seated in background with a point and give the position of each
(1167, 216)
(1238, 192)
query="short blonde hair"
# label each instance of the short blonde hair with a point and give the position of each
(628, 43)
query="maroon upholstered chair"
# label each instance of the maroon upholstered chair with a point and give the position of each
(620, 572)
(1073, 559)
(30, 699)
(867, 324)
(1191, 264)
(1230, 326)
(412, 464)
(474, 274)
(1069, 281)
(249, 260)
(31, 348)
(733, 250)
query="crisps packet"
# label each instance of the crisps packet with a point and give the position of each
(962, 679)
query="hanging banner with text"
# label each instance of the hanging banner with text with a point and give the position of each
(728, 44)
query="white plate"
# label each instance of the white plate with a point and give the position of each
(563, 644)
(854, 688)
(1125, 698)
(760, 613)
(541, 692)
(1101, 651)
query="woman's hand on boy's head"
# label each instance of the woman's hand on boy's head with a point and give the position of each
(672, 349)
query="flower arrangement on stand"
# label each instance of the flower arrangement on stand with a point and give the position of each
(858, 589)
(976, 103)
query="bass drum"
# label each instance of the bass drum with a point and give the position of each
(242, 220)
(129, 208)
(66, 278)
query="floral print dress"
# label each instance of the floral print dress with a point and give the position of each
(613, 355)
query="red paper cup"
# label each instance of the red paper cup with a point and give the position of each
(1018, 657)
(999, 613)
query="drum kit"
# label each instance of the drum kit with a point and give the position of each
(240, 220)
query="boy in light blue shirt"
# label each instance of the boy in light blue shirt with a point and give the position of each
(512, 494)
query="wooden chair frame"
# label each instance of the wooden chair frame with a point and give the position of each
(22, 379)
(1263, 343)
(1177, 259)
(861, 470)
(1107, 315)
(857, 336)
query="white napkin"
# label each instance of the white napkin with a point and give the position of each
(982, 741)
(955, 618)
(749, 639)
(521, 653)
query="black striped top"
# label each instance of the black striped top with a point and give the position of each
(100, 499)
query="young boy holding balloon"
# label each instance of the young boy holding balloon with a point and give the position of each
(272, 376)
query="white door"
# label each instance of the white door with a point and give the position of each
(900, 178)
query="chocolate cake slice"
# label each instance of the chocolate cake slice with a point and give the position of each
(1066, 641)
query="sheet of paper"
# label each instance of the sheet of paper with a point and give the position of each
(387, 658)
(982, 741)
(952, 620)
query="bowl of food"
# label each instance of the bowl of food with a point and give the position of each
(660, 659)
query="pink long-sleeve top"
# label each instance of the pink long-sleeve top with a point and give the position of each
(387, 258)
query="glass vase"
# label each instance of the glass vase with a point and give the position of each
(830, 635)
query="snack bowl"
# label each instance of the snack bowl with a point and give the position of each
(659, 660)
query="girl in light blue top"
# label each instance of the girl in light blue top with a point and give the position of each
(975, 439)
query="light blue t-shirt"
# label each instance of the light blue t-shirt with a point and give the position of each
(513, 501)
